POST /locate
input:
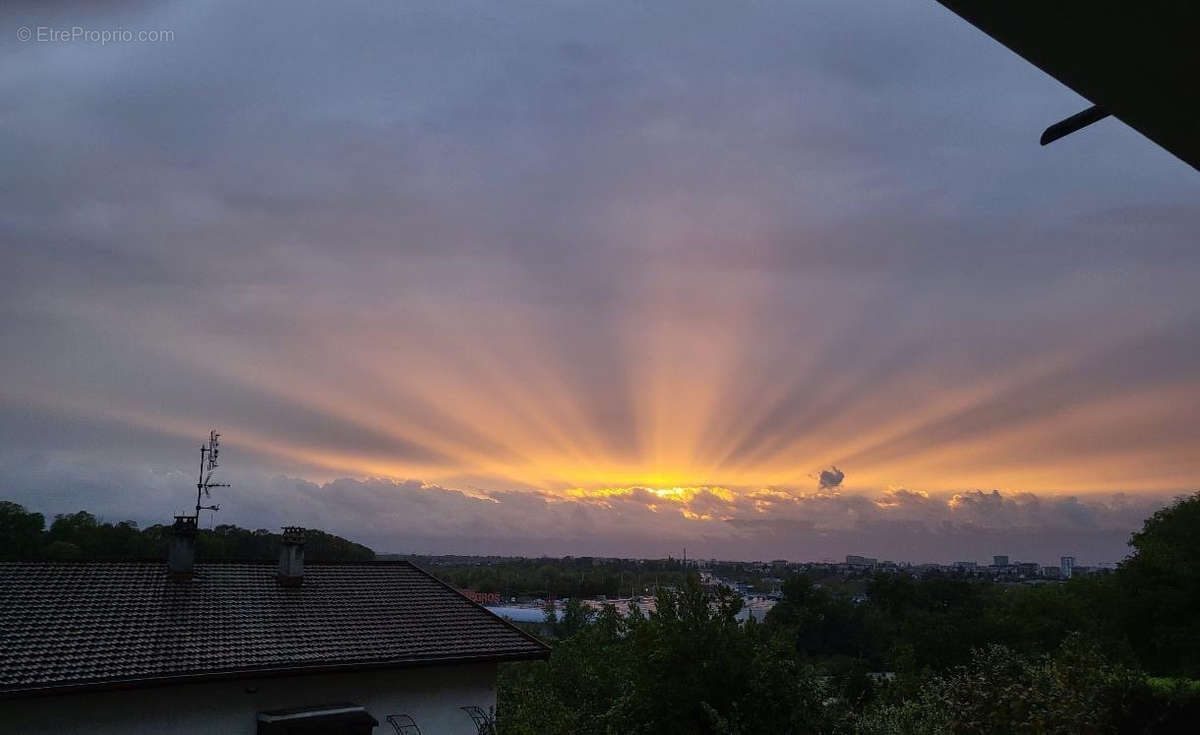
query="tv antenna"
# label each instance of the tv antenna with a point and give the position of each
(208, 465)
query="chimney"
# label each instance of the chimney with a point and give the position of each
(291, 557)
(181, 555)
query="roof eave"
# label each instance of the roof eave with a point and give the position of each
(269, 672)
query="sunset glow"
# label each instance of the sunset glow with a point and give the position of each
(555, 288)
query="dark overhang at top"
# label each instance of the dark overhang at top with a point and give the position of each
(1136, 61)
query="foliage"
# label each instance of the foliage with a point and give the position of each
(969, 656)
(20, 532)
(819, 623)
(1076, 690)
(564, 578)
(686, 667)
(79, 536)
(927, 624)
(227, 542)
(1160, 585)
(576, 616)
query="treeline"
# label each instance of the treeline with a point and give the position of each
(586, 576)
(1112, 654)
(24, 536)
(581, 576)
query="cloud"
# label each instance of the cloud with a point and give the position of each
(418, 517)
(831, 479)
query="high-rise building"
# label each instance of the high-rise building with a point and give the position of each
(1066, 566)
(1000, 560)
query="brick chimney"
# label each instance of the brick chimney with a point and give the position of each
(181, 554)
(291, 557)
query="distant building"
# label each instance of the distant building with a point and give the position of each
(1028, 568)
(964, 565)
(863, 562)
(1000, 560)
(1051, 572)
(131, 647)
(1066, 567)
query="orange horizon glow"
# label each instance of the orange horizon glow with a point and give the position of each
(510, 413)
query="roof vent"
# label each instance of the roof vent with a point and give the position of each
(181, 555)
(291, 557)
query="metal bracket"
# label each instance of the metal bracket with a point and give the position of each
(1078, 121)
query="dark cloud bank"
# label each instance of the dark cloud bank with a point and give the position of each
(413, 517)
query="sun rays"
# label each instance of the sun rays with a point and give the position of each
(696, 396)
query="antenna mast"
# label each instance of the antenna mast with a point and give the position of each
(208, 465)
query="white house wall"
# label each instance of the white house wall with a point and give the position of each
(431, 695)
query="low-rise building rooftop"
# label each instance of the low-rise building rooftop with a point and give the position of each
(82, 625)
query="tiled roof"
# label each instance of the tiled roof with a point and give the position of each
(67, 625)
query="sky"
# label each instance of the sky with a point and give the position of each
(762, 280)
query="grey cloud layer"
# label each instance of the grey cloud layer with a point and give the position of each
(413, 517)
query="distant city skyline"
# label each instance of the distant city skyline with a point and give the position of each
(777, 280)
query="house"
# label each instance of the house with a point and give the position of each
(238, 647)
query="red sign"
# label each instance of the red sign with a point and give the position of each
(483, 598)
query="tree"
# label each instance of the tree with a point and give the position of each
(691, 662)
(1159, 586)
(927, 624)
(576, 616)
(819, 623)
(63, 551)
(74, 528)
(1075, 691)
(78, 536)
(574, 690)
(688, 666)
(20, 532)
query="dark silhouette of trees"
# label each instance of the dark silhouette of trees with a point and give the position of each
(20, 532)
(561, 578)
(937, 654)
(1158, 589)
(1076, 690)
(80, 536)
(819, 623)
(687, 666)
